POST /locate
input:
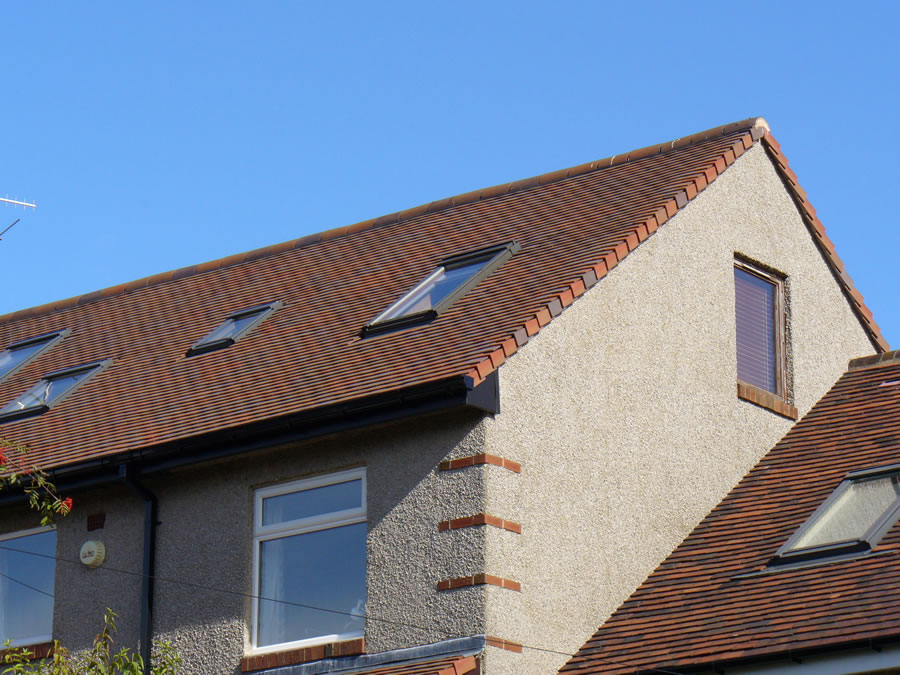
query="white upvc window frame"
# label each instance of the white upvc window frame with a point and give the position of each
(18, 534)
(325, 521)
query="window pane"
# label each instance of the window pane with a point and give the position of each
(46, 392)
(851, 515)
(756, 330)
(26, 587)
(434, 289)
(232, 327)
(324, 570)
(11, 358)
(312, 502)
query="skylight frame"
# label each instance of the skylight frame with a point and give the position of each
(31, 411)
(492, 256)
(204, 345)
(52, 338)
(788, 554)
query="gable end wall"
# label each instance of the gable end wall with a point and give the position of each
(624, 415)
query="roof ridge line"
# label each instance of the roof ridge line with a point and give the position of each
(758, 124)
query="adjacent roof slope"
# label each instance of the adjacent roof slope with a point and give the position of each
(694, 610)
(573, 226)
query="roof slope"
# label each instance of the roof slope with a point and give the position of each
(573, 227)
(693, 611)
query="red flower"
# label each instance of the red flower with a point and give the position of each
(66, 505)
(3, 459)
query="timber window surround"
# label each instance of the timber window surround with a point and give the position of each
(309, 561)
(760, 327)
(852, 520)
(27, 568)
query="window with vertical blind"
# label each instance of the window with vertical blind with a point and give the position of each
(759, 312)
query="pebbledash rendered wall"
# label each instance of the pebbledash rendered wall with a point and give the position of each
(204, 544)
(624, 413)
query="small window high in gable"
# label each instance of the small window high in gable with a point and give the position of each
(49, 391)
(20, 353)
(852, 520)
(452, 279)
(233, 328)
(759, 316)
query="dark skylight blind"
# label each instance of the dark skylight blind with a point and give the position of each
(755, 306)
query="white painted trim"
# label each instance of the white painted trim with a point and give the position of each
(263, 533)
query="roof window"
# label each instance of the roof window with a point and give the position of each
(452, 279)
(852, 520)
(49, 391)
(233, 328)
(20, 353)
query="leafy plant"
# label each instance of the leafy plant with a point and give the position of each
(100, 660)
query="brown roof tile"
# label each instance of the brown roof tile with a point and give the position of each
(573, 227)
(696, 608)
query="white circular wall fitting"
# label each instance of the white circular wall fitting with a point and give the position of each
(93, 553)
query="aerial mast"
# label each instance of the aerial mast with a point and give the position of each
(15, 202)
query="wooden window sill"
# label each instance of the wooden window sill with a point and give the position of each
(766, 399)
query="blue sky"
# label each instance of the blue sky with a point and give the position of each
(154, 136)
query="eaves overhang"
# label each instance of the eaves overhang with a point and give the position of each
(453, 393)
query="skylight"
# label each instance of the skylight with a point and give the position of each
(853, 518)
(49, 391)
(233, 328)
(18, 354)
(452, 279)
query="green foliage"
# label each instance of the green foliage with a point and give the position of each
(100, 660)
(15, 470)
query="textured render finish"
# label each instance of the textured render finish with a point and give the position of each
(204, 549)
(633, 431)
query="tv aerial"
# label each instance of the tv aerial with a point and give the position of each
(14, 202)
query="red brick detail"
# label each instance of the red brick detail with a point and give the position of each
(479, 519)
(36, 652)
(483, 458)
(500, 643)
(290, 657)
(480, 579)
(766, 399)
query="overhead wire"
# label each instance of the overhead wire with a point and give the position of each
(366, 617)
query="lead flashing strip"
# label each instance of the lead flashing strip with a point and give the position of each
(479, 519)
(480, 579)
